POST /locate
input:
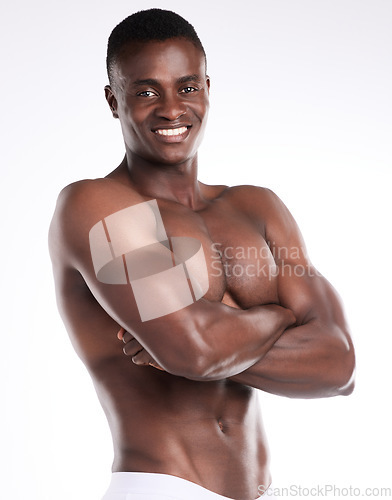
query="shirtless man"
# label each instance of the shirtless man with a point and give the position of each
(181, 400)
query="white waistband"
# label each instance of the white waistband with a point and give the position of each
(153, 485)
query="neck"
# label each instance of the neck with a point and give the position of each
(170, 182)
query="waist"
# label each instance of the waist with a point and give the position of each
(162, 444)
(233, 466)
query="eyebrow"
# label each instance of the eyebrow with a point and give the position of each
(189, 78)
(182, 79)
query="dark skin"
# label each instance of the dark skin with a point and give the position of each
(182, 399)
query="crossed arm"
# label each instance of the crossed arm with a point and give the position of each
(313, 357)
(309, 360)
(259, 346)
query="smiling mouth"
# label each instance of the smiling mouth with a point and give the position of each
(171, 131)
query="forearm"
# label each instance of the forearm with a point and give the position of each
(214, 341)
(237, 339)
(308, 361)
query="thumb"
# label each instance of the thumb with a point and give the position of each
(120, 333)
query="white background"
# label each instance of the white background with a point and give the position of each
(300, 103)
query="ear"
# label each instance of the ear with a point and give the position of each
(208, 81)
(112, 101)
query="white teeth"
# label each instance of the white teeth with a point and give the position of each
(171, 131)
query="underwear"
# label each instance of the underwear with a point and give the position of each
(153, 486)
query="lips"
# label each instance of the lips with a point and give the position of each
(174, 134)
(171, 131)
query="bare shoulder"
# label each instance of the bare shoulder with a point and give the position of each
(268, 212)
(251, 193)
(256, 200)
(79, 206)
(97, 195)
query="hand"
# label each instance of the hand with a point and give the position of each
(137, 352)
(286, 316)
(228, 300)
(290, 319)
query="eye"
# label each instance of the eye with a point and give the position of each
(189, 90)
(146, 93)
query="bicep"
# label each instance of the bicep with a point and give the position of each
(310, 296)
(130, 272)
(301, 287)
(148, 296)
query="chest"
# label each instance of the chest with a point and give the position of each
(239, 263)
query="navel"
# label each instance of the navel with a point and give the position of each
(220, 425)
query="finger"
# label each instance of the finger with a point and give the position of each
(154, 364)
(120, 333)
(141, 358)
(127, 337)
(132, 348)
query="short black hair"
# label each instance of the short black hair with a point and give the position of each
(145, 26)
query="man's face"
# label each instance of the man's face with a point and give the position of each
(161, 97)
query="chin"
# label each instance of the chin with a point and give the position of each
(172, 163)
(173, 159)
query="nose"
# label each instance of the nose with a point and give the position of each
(171, 107)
